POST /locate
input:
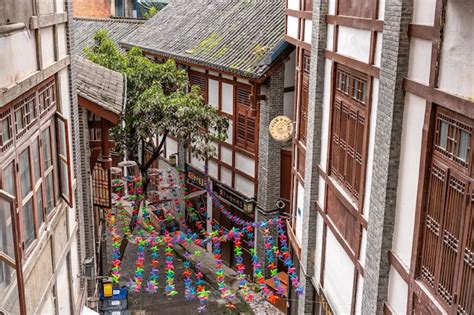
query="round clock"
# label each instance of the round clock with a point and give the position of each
(281, 128)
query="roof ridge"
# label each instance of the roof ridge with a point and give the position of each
(96, 19)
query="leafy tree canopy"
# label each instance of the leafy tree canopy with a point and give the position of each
(159, 104)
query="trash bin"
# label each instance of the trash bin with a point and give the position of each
(115, 305)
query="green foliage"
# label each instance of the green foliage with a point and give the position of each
(159, 103)
(151, 12)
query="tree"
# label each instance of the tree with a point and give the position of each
(160, 103)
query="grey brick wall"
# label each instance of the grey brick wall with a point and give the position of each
(394, 67)
(83, 198)
(313, 154)
(269, 157)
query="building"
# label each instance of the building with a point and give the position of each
(235, 52)
(41, 235)
(386, 206)
(116, 8)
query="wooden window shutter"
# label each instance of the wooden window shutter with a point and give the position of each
(101, 187)
(64, 159)
(304, 108)
(246, 115)
(201, 81)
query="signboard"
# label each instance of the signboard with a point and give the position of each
(229, 195)
(281, 128)
(195, 178)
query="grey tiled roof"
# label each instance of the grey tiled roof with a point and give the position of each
(100, 85)
(85, 28)
(239, 36)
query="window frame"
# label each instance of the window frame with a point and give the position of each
(66, 158)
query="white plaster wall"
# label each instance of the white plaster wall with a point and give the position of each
(171, 147)
(360, 287)
(299, 213)
(48, 305)
(294, 4)
(241, 80)
(245, 164)
(420, 60)
(197, 163)
(363, 246)
(226, 176)
(370, 149)
(326, 111)
(230, 132)
(213, 93)
(413, 119)
(62, 283)
(198, 69)
(424, 12)
(46, 6)
(308, 28)
(62, 44)
(47, 44)
(214, 73)
(226, 155)
(228, 77)
(354, 43)
(212, 169)
(290, 71)
(378, 49)
(292, 27)
(457, 54)
(245, 186)
(59, 6)
(75, 268)
(321, 193)
(397, 292)
(17, 57)
(318, 249)
(381, 13)
(330, 37)
(228, 98)
(288, 104)
(332, 7)
(338, 275)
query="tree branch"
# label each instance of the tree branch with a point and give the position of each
(156, 152)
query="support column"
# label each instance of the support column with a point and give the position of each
(388, 130)
(313, 155)
(269, 159)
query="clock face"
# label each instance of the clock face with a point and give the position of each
(281, 128)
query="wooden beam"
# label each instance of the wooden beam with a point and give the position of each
(96, 109)
(421, 31)
(355, 22)
(401, 269)
(353, 63)
(47, 20)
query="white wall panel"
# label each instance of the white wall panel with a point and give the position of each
(457, 55)
(245, 164)
(59, 6)
(338, 275)
(413, 119)
(62, 284)
(212, 169)
(299, 213)
(197, 163)
(354, 43)
(228, 98)
(75, 268)
(308, 30)
(226, 155)
(332, 7)
(46, 6)
(370, 149)
(321, 193)
(397, 292)
(244, 186)
(288, 104)
(363, 246)
(420, 60)
(290, 71)
(47, 45)
(292, 25)
(378, 49)
(360, 288)
(330, 37)
(17, 57)
(213, 93)
(198, 69)
(294, 4)
(318, 249)
(62, 44)
(230, 132)
(424, 12)
(381, 13)
(48, 305)
(226, 176)
(171, 147)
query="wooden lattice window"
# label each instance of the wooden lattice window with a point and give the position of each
(47, 97)
(25, 114)
(101, 187)
(6, 125)
(303, 114)
(246, 129)
(349, 130)
(447, 254)
(201, 81)
(64, 159)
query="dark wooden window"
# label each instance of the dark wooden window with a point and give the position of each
(246, 115)
(195, 78)
(303, 113)
(349, 130)
(64, 159)
(447, 251)
(308, 5)
(101, 187)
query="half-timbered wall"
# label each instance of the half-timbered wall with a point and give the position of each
(36, 151)
(431, 257)
(235, 162)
